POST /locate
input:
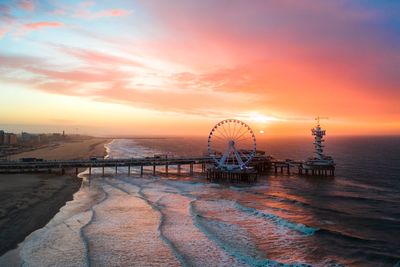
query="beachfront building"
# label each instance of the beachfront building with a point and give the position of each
(1, 137)
(10, 139)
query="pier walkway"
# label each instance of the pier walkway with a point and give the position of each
(260, 163)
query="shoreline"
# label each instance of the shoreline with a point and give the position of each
(31, 206)
(29, 201)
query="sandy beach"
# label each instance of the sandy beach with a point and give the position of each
(29, 201)
(76, 149)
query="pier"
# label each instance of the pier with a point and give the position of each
(258, 166)
(301, 168)
(159, 165)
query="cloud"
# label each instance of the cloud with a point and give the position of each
(95, 57)
(88, 10)
(89, 14)
(111, 13)
(42, 24)
(109, 83)
(7, 20)
(2, 32)
(212, 57)
(27, 5)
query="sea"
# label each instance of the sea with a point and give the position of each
(352, 219)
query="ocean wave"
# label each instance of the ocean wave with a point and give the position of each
(158, 209)
(84, 238)
(304, 229)
(235, 251)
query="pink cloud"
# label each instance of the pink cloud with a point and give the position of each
(112, 13)
(89, 14)
(42, 24)
(2, 32)
(27, 5)
(95, 57)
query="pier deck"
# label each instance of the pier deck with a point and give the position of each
(261, 164)
(20, 166)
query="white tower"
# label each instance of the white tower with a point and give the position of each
(318, 143)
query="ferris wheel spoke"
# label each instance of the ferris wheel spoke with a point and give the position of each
(230, 130)
(238, 132)
(244, 138)
(219, 137)
(241, 136)
(234, 130)
(231, 126)
(226, 133)
(222, 137)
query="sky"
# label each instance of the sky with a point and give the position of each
(177, 67)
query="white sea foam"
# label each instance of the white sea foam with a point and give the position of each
(307, 230)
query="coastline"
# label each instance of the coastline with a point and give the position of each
(28, 201)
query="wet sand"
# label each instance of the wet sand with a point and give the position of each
(29, 201)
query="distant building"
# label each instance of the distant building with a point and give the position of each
(1, 137)
(26, 137)
(13, 139)
(10, 139)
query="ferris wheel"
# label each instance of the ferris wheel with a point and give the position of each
(231, 144)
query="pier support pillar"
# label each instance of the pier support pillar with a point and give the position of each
(191, 168)
(129, 170)
(116, 169)
(90, 170)
(76, 171)
(179, 169)
(166, 169)
(288, 169)
(154, 169)
(102, 171)
(141, 170)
